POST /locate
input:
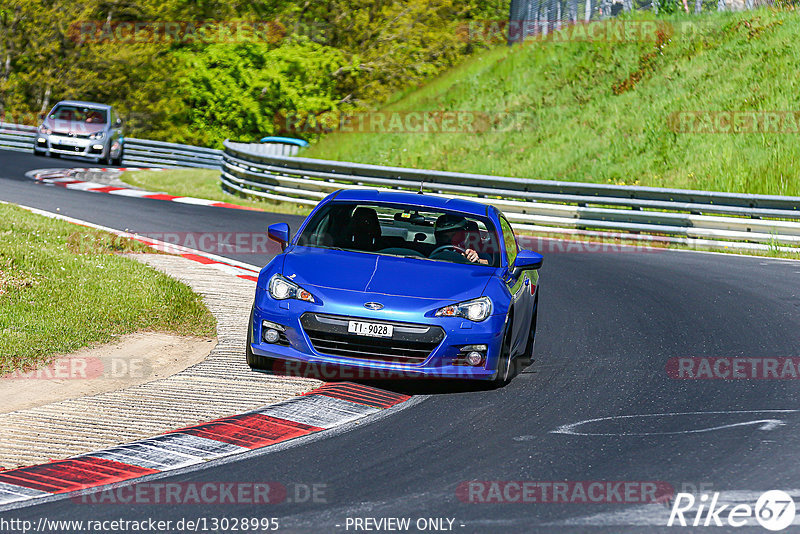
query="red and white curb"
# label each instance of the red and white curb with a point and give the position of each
(326, 407)
(329, 406)
(67, 178)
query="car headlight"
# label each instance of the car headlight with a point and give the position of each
(98, 135)
(46, 131)
(281, 288)
(475, 310)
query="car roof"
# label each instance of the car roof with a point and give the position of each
(413, 199)
(84, 103)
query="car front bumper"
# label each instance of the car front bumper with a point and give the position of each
(70, 146)
(300, 351)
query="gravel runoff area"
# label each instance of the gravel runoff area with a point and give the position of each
(219, 386)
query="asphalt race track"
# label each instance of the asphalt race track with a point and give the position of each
(610, 322)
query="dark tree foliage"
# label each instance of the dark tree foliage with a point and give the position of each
(204, 70)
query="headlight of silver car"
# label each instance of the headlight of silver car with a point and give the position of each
(475, 310)
(98, 135)
(281, 288)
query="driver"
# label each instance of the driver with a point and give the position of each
(452, 230)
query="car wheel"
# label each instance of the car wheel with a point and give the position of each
(256, 362)
(118, 160)
(504, 366)
(532, 331)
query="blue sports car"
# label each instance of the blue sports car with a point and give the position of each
(397, 284)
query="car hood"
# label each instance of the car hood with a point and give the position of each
(78, 127)
(387, 275)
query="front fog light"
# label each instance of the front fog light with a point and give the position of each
(97, 147)
(271, 335)
(271, 332)
(474, 358)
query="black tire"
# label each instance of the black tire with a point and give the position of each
(529, 346)
(117, 162)
(504, 366)
(256, 362)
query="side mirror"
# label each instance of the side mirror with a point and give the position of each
(279, 232)
(527, 260)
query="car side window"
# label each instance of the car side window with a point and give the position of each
(510, 240)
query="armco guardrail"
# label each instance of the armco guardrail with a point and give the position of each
(17, 136)
(145, 152)
(531, 204)
(141, 152)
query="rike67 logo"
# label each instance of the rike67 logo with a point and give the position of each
(774, 510)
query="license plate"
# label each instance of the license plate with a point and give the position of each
(66, 141)
(370, 329)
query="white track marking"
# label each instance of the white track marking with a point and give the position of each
(196, 201)
(766, 424)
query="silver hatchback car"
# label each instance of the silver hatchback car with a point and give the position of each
(86, 129)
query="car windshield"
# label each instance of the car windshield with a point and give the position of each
(406, 231)
(72, 113)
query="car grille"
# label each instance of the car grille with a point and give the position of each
(410, 344)
(59, 146)
(73, 134)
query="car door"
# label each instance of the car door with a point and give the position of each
(518, 284)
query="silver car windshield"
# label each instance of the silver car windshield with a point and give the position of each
(72, 113)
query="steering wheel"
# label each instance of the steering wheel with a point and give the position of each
(445, 247)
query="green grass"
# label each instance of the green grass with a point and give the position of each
(574, 126)
(63, 287)
(203, 183)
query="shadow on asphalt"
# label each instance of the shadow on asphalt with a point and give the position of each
(412, 385)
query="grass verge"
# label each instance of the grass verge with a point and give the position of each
(203, 183)
(63, 287)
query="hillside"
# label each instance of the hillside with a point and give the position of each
(644, 112)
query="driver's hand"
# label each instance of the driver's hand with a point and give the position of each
(472, 256)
